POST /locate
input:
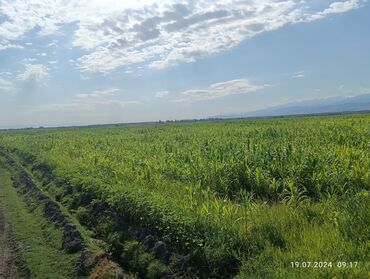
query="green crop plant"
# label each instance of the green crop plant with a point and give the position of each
(228, 195)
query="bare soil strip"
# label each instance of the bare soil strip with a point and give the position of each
(91, 264)
(8, 269)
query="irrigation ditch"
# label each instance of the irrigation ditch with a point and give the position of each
(93, 263)
(142, 253)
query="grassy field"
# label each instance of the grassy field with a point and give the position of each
(39, 241)
(242, 198)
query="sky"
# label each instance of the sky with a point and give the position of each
(79, 62)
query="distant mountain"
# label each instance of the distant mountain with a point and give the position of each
(318, 106)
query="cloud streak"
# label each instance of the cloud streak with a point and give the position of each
(89, 101)
(337, 8)
(161, 94)
(6, 45)
(220, 90)
(5, 85)
(34, 72)
(298, 75)
(155, 34)
(77, 106)
(99, 93)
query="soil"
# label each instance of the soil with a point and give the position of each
(8, 269)
(90, 264)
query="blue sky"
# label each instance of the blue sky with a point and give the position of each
(91, 62)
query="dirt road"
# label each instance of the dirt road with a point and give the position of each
(8, 268)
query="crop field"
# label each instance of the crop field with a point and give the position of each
(255, 198)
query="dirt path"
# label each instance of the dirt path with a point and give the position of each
(8, 268)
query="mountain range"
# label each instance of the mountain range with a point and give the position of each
(338, 104)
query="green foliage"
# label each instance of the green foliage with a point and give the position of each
(156, 270)
(230, 194)
(39, 241)
(136, 257)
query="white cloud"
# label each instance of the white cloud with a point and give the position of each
(78, 106)
(7, 74)
(34, 72)
(365, 89)
(164, 36)
(61, 107)
(219, 90)
(298, 75)
(118, 103)
(54, 43)
(99, 93)
(337, 8)
(353, 91)
(5, 84)
(156, 34)
(29, 59)
(92, 101)
(161, 94)
(4, 46)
